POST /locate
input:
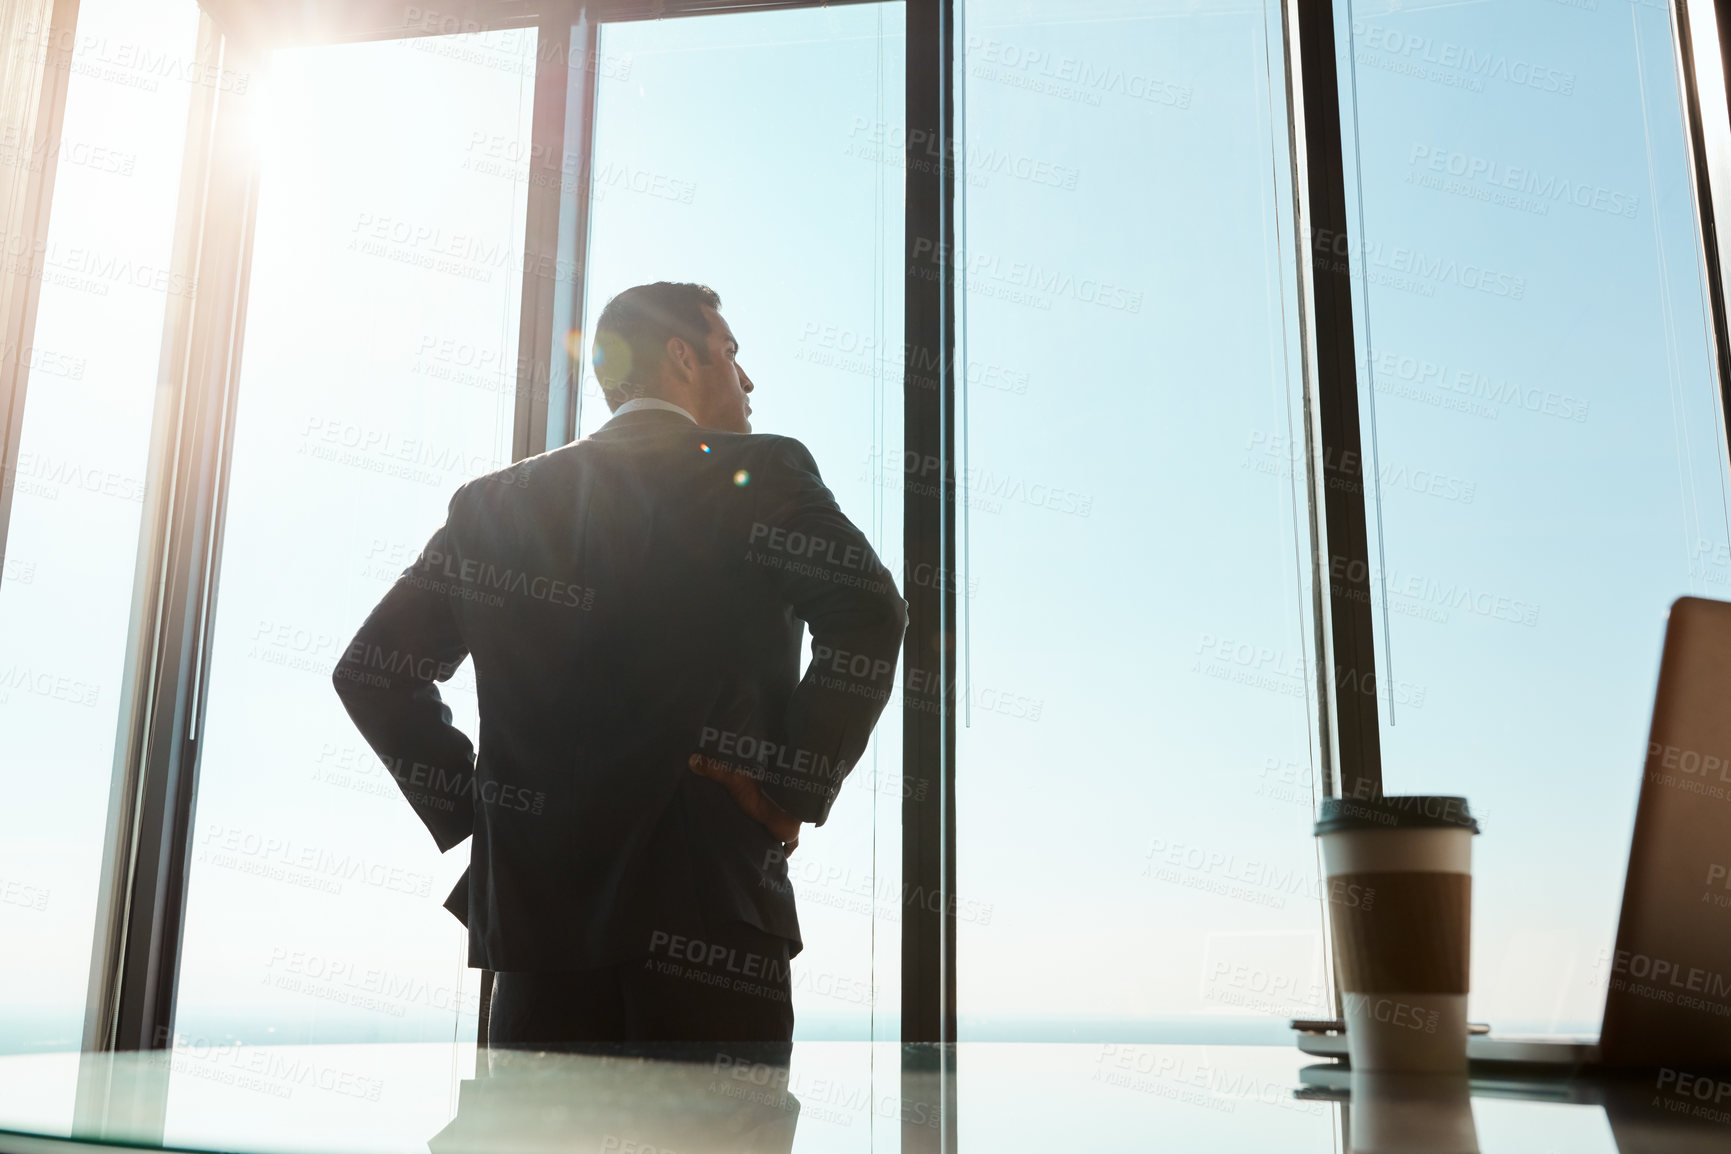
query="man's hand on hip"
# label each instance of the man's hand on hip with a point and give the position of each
(783, 825)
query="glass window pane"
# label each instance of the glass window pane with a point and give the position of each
(1136, 760)
(72, 545)
(379, 375)
(791, 209)
(1544, 431)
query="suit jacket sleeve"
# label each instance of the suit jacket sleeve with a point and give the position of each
(388, 681)
(836, 583)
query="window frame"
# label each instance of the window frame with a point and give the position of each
(135, 958)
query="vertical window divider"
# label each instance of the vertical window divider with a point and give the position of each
(1705, 173)
(566, 369)
(1321, 683)
(928, 478)
(135, 954)
(539, 330)
(1341, 565)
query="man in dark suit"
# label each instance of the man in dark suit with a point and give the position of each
(634, 605)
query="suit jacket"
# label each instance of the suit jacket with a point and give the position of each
(628, 600)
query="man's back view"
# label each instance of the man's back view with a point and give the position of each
(633, 605)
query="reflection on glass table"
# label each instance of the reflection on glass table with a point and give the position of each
(831, 1096)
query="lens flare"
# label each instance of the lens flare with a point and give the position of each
(742, 478)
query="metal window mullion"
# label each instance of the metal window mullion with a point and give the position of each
(927, 468)
(39, 35)
(1341, 565)
(575, 215)
(141, 901)
(1703, 170)
(541, 239)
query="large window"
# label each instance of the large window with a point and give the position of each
(1137, 752)
(1140, 742)
(106, 275)
(379, 375)
(1544, 446)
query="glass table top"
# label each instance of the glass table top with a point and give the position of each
(830, 1096)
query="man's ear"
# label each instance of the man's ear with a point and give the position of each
(681, 356)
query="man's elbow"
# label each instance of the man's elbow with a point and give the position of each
(896, 607)
(892, 618)
(349, 679)
(895, 627)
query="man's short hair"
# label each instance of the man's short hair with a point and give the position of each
(632, 332)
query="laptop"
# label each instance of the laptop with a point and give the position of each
(1669, 997)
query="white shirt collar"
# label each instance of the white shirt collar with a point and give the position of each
(636, 404)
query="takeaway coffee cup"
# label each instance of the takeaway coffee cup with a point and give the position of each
(1399, 879)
